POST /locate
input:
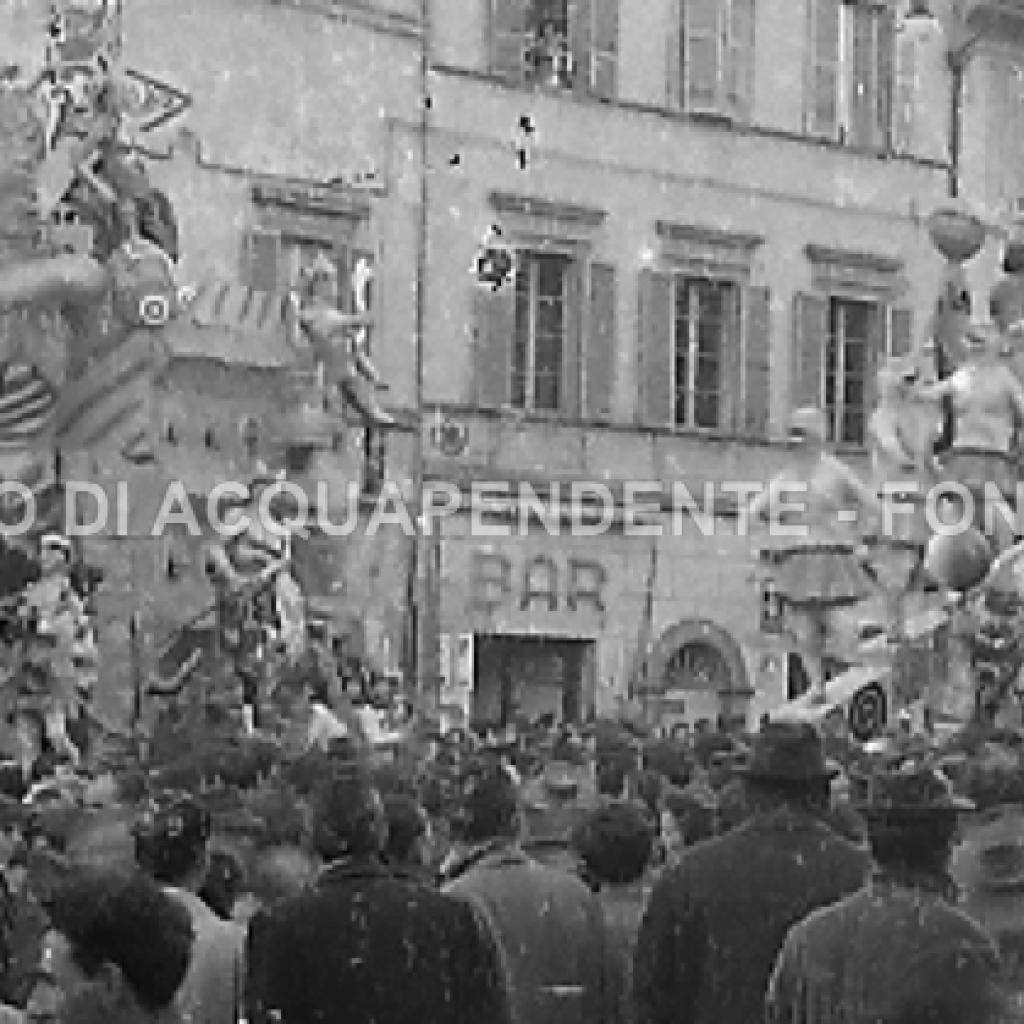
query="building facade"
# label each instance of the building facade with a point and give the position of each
(717, 211)
(717, 208)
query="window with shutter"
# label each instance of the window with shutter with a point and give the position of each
(495, 324)
(507, 36)
(656, 348)
(810, 328)
(753, 414)
(604, 51)
(706, 351)
(905, 94)
(901, 327)
(851, 73)
(711, 56)
(823, 67)
(703, 55)
(601, 349)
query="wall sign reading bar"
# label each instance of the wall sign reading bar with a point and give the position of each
(541, 582)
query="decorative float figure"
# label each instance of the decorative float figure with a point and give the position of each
(902, 433)
(816, 510)
(987, 402)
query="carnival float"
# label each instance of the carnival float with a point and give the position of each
(948, 423)
(92, 309)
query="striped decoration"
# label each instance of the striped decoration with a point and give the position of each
(111, 402)
(27, 406)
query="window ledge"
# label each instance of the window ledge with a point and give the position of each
(511, 415)
(712, 122)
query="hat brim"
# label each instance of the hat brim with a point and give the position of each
(954, 805)
(755, 774)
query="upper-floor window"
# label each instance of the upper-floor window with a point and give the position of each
(850, 73)
(851, 333)
(706, 328)
(562, 44)
(840, 341)
(712, 63)
(705, 335)
(541, 321)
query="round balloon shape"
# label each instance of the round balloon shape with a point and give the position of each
(958, 561)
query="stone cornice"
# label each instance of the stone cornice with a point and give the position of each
(547, 209)
(698, 236)
(327, 201)
(852, 260)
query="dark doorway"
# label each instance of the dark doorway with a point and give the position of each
(530, 676)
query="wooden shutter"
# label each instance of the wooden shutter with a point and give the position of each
(601, 351)
(901, 327)
(495, 323)
(754, 411)
(657, 349)
(885, 77)
(507, 37)
(864, 64)
(702, 61)
(261, 260)
(674, 55)
(810, 335)
(740, 58)
(604, 51)
(905, 93)
(581, 43)
(876, 352)
(572, 351)
(823, 68)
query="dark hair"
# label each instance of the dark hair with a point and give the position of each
(347, 817)
(649, 786)
(695, 820)
(615, 843)
(487, 804)
(125, 919)
(912, 843)
(611, 775)
(406, 825)
(224, 882)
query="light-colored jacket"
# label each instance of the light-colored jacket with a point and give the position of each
(212, 990)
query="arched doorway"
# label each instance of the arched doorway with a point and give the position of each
(698, 671)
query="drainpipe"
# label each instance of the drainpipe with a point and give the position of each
(423, 613)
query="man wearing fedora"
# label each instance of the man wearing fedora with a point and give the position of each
(899, 949)
(717, 919)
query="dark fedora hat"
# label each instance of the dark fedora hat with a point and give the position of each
(788, 752)
(912, 790)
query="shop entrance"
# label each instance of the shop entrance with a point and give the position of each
(528, 677)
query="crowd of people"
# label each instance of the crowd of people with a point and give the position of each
(531, 875)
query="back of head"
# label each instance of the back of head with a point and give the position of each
(124, 920)
(486, 802)
(348, 818)
(615, 843)
(172, 836)
(407, 825)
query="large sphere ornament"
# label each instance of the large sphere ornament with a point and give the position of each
(958, 561)
(957, 233)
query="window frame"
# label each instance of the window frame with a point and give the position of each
(878, 309)
(570, 260)
(844, 132)
(730, 104)
(734, 321)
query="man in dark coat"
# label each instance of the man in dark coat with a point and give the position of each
(364, 946)
(717, 919)
(898, 950)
